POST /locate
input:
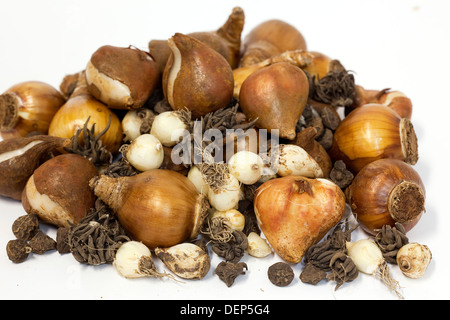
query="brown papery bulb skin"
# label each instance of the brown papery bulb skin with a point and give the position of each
(295, 212)
(373, 132)
(384, 192)
(64, 179)
(268, 39)
(158, 207)
(130, 67)
(75, 112)
(196, 77)
(276, 95)
(28, 107)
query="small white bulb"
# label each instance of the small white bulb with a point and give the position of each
(235, 218)
(145, 152)
(246, 166)
(132, 122)
(196, 177)
(227, 196)
(128, 258)
(169, 128)
(294, 160)
(257, 246)
(366, 255)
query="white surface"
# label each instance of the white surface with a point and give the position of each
(403, 45)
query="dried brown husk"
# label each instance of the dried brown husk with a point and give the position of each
(41, 243)
(15, 172)
(340, 175)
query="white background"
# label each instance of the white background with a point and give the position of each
(403, 45)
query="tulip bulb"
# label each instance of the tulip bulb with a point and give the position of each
(122, 78)
(28, 107)
(295, 212)
(276, 96)
(196, 77)
(299, 58)
(158, 207)
(384, 192)
(58, 191)
(20, 157)
(226, 40)
(269, 39)
(373, 132)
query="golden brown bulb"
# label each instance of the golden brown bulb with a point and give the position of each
(73, 115)
(384, 192)
(159, 207)
(373, 132)
(28, 107)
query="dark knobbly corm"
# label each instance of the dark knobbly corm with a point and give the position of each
(228, 271)
(17, 250)
(25, 227)
(312, 274)
(280, 274)
(41, 243)
(340, 175)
